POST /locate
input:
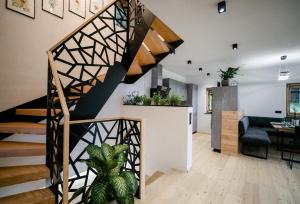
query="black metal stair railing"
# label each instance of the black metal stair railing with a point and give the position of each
(84, 70)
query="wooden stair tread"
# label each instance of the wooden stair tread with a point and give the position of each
(155, 44)
(164, 31)
(20, 174)
(87, 88)
(23, 127)
(34, 112)
(19, 149)
(135, 68)
(154, 177)
(41, 196)
(144, 57)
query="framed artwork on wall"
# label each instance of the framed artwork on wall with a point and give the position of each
(77, 7)
(96, 5)
(55, 7)
(25, 7)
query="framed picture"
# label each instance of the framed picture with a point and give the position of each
(96, 5)
(55, 7)
(25, 7)
(77, 7)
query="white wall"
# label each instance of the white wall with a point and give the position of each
(23, 44)
(168, 136)
(112, 107)
(262, 99)
(172, 75)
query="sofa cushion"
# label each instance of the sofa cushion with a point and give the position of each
(243, 125)
(264, 122)
(256, 136)
(271, 131)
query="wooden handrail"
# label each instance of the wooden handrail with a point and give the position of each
(66, 134)
(74, 122)
(60, 92)
(82, 25)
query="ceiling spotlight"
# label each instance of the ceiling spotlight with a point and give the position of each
(208, 74)
(222, 7)
(283, 57)
(235, 46)
(189, 61)
(200, 69)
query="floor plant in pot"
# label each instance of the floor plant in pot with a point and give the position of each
(228, 74)
(111, 183)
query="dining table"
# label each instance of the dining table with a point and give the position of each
(284, 130)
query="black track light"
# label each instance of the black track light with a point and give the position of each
(222, 7)
(208, 74)
(189, 62)
(200, 69)
(235, 46)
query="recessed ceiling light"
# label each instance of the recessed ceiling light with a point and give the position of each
(222, 7)
(235, 46)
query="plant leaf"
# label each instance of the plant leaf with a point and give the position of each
(120, 186)
(127, 200)
(95, 151)
(120, 148)
(95, 164)
(99, 192)
(131, 181)
(107, 151)
(77, 193)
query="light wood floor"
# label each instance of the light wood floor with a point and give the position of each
(217, 178)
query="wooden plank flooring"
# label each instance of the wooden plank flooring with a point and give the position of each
(216, 178)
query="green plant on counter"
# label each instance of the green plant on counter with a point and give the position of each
(132, 99)
(146, 101)
(110, 183)
(157, 98)
(164, 102)
(175, 100)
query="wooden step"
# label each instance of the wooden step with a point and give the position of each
(41, 196)
(164, 31)
(154, 177)
(20, 174)
(135, 69)
(144, 56)
(155, 44)
(23, 128)
(21, 149)
(34, 112)
(87, 88)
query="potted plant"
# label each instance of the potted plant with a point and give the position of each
(175, 100)
(111, 183)
(228, 74)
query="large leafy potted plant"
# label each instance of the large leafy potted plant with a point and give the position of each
(228, 74)
(111, 183)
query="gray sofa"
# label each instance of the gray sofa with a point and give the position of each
(253, 135)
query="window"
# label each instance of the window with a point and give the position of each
(293, 99)
(209, 100)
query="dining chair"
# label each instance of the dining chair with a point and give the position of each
(295, 146)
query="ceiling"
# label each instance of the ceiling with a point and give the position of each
(264, 30)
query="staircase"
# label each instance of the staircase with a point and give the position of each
(117, 45)
(14, 175)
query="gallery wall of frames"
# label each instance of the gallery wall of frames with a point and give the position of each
(56, 7)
